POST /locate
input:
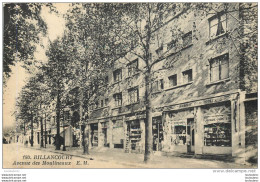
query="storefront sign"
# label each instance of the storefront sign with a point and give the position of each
(135, 117)
(217, 119)
(180, 122)
(199, 103)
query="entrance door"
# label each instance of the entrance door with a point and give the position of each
(157, 134)
(190, 135)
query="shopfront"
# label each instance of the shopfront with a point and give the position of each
(103, 134)
(94, 134)
(206, 126)
(118, 133)
(180, 131)
(217, 131)
(157, 133)
(133, 136)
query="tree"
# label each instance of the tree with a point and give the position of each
(92, 49)
(59, 72)
(23, 27)
(30, 102)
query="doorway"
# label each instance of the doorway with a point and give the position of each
(94, 134)
(157, 133)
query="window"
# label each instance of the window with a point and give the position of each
(217, 25)
(133, 95)
(132, 67)
(187, 76)
(173, 80)
(96, 104)
(118, 99)
(217, 134)
(102, 103)
(117, 75)
(158, 85)
(187, 39)
(159, 51)
(219, 68)
(171, 45)
(106, 101)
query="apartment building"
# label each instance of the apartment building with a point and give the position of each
(202, 101)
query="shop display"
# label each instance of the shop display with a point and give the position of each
(133, 135)
(217, 134)
(157, 134)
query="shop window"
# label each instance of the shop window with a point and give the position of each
(217, 25)
(219, 68)
(117, 75)
(187, 39)
(133, 95)
(158, 85)
(217, 134)
(133, 135)
(180, 136)
(173, 80)
(159, 51)
(157, 133)
(132, 67)
(118, 99)
(187, 76)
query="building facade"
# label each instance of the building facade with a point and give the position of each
(201, 103)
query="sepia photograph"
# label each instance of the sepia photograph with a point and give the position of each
(141, 85)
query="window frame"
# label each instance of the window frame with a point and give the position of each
(118, 99)
(130, 93)
(185, 36)
(171, 80)
(217, 16)
(219, 65)
(183, 76)
(132, 68)
(115, 74)
(158, 85)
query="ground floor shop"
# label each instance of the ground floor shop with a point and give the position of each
(220, 124)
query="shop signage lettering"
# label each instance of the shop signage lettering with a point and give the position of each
(135, 117)
(179, 122)
(217, 119)
(199, 103)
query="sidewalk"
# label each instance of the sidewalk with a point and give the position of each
(136, 160)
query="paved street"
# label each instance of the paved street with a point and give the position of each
(16, 156)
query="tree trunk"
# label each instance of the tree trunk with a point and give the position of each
(41, 132)
(45, 131)
(31, 141)
(148, 123)
(58, 142)
(81, 116)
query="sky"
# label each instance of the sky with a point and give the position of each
(56, 25)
